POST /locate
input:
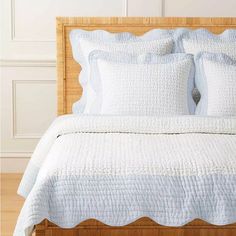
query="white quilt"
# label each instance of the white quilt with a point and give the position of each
(118, 169)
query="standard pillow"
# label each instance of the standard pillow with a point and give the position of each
(216, 81)
(147, 84)
(83, 42)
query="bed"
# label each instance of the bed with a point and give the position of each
(69, 91)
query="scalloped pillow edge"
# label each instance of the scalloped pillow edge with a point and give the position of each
(148, 58)
(200, 77)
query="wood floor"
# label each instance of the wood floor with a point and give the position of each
(11, 203)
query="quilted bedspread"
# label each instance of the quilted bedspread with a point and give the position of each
(119, 169)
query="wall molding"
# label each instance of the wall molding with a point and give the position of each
(28, 63)
(13, 24)
(13, 154)
(163, 8)
(15, 135)
(13, 28)
(125, 8)
(26, 136)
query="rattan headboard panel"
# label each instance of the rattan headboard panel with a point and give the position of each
(68, 70)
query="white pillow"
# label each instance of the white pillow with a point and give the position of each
(216, 81)
(204, 41)
(147, 84)
(83, 42)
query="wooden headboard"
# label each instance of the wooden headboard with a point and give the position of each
(68, 70)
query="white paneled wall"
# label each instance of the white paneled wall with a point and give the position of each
(28, 72)
(144, 8)
(201, 8)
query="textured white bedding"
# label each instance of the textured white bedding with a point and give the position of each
(147, 84)
(118, 169)
(84, 42)
(216, 81)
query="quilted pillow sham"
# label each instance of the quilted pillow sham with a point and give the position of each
(147, 84)
(216, 81)
(83, 42)
(202, 40)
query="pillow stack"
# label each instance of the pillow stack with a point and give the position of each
(156, 74)
(84, 42)
(215, 75)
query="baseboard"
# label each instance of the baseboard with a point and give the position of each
(13, 165)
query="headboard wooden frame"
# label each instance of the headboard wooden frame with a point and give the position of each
(68, 70)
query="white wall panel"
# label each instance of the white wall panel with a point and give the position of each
(29, 26)
(39, 22)
(28, 78)
(201, 8)
(28, 106)
(31, 117)
(144, 7)
(27, 51)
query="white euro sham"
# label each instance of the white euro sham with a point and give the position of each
(202, 40)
